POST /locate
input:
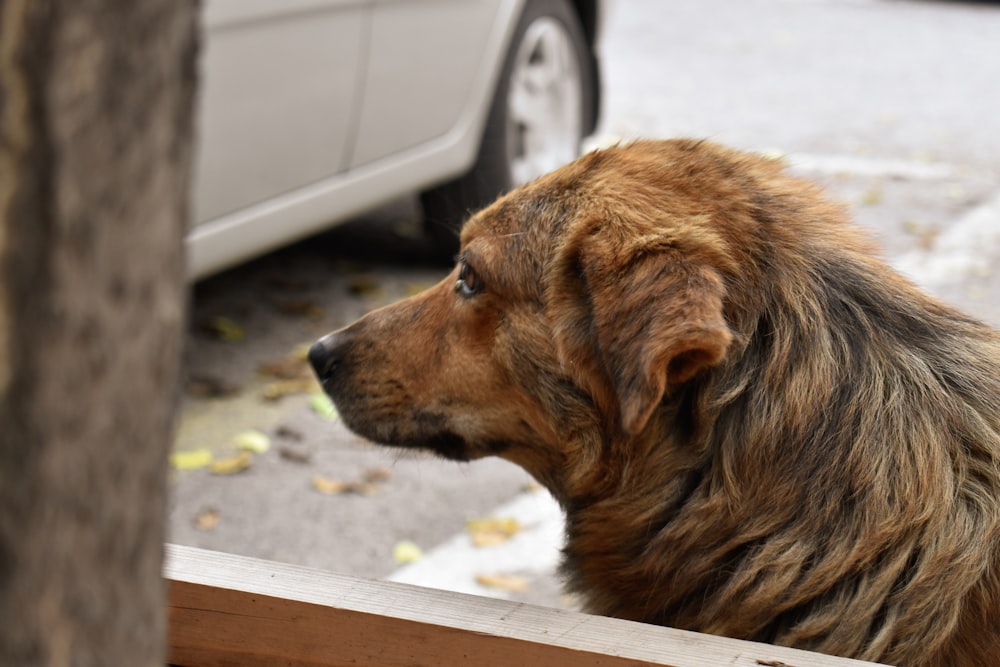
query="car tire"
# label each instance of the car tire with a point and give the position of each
(543, 106)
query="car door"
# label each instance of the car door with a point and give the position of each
(429, 69)
(280, 83)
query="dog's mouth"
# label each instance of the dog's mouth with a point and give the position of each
(423, 431)
(373, 412)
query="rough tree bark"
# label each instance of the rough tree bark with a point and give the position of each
(95, 138)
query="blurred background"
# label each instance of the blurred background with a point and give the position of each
(342, 141)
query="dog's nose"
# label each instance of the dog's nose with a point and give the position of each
(326, 354)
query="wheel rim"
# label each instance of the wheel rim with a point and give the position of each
(544, 102)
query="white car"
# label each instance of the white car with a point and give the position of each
(313, 111)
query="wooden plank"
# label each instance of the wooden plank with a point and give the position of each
(228, 610)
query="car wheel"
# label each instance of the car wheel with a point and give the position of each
(542, 106)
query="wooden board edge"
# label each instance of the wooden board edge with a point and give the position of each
(226, 609)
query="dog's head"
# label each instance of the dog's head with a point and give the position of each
(578, 304)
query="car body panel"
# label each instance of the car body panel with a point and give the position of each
(315, 111)
(277, 100)
(419, 89)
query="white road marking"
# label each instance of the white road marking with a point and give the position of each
(862, 166)
(454, 565)
(963, 250)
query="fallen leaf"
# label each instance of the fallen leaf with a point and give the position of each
(191, 459)
(331, 487)
(225, 329)
(301, 352)
(282, 388)
(205, 386)
(926, 235)
(360, 488)
(406, 552)
(288, 433)
(284, 369)
(252, 441)
(491, 532)
(294, 454)
(323, 406)
(207, 520)
(872, 197)
(327, 486)
(507, 582)
(293, 365)
(233, 464)
(377, 475)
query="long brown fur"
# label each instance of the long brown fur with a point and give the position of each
(755, 427)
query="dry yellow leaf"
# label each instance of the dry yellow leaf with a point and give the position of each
(926, 235)
(282, 388)
(507, 582)
(292, 372)
(301, 352)
(252, 441)
(293, 365)
(406, 552)
(872, 197)
(332, 487)
(329, 487)
(225, 329)
(493, 531)
(377, 475)
(207, 520)
(284, 369)
(191, 459)
(233, 464)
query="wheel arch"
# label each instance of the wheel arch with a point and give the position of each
(592, 15)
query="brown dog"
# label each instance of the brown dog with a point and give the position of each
(755, 427)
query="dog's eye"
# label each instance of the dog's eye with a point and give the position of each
(468, 283)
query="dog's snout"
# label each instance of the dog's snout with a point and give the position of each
(326, 355)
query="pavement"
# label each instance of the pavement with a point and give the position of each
(890, 104)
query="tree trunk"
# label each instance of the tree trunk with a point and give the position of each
(96, 102)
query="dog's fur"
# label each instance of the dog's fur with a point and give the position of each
(755, 427)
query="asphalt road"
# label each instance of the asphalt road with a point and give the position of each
(893, 105)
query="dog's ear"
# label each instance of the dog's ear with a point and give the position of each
(641, 320)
